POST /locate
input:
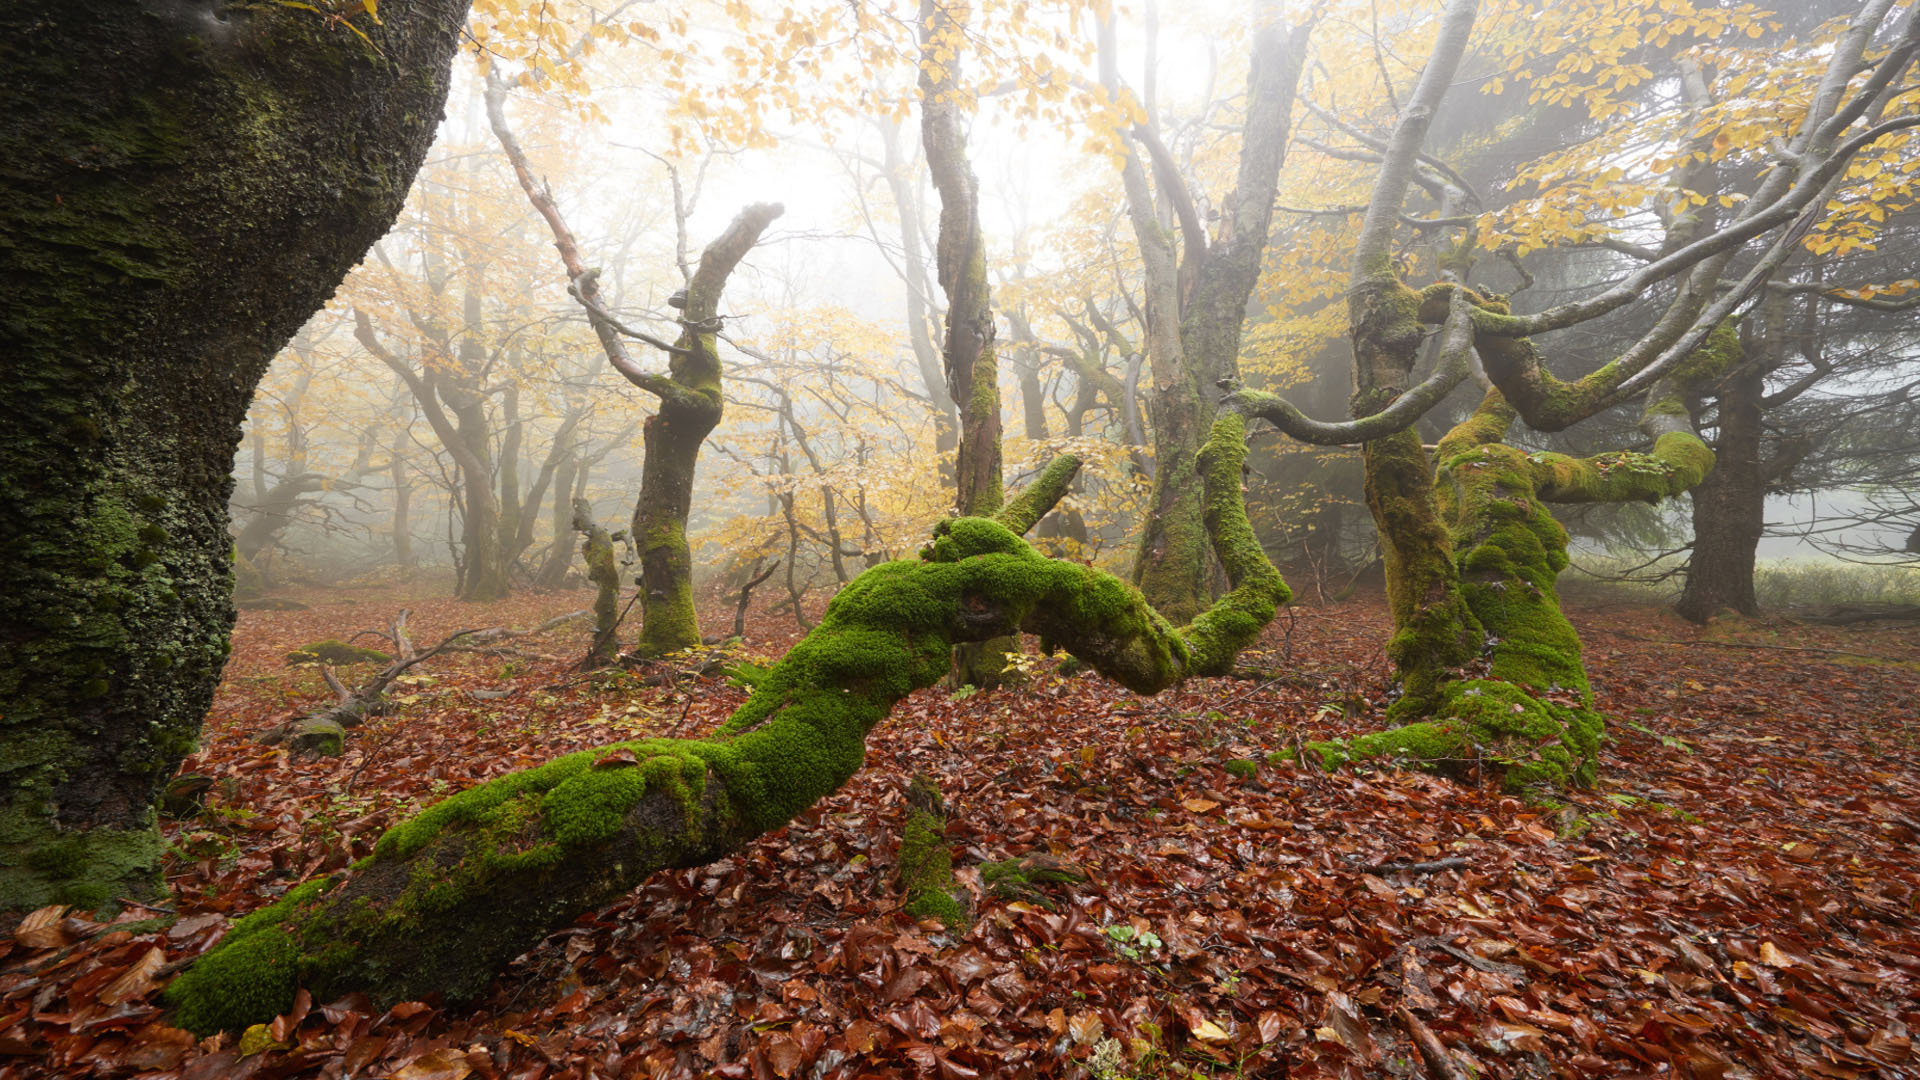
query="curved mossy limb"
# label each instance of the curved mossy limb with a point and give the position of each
(450, 896)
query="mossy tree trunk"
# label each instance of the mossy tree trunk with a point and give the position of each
(1473, 557)
(960, 263)
(1529, 719)
(596, 550)
(1196, 304)
(689, 409)
(180, 188)
(523, 854)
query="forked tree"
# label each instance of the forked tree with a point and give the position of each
(689, 393)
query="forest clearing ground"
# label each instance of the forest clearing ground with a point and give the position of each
(1739, 897)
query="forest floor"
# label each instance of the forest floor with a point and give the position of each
(1739, 897)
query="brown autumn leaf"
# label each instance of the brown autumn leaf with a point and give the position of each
(437, 1065)
(862, 1036)
(1198, 805)
(137, 980)
(42, 929)
(783, 1054)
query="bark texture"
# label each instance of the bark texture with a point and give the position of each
(452, 895)
(1729, 509)
(181, 186)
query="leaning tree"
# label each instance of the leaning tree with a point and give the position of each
(526, 853)
(1489, 667)
(183, 185)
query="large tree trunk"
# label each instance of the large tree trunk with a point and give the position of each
(449, 897)
(179, 190)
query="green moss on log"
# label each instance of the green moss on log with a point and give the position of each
(530, 850)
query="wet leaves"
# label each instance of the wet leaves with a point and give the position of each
(1738, 899)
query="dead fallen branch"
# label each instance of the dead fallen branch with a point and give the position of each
(1433, 867)
(1440, 1063)
(322, 733)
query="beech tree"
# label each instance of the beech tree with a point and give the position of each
(1196, 300)
(1489, 667)
(689, 393)
(172, 214)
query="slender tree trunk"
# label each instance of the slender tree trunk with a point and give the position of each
(486, 577)
(179, 193)
(510, 506)
(689, 410)
(902, 185)
(402, 504)
(596, 550)
(1729, 508)
(553, 571)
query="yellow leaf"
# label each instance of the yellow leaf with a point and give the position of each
(1208, 1031)
(1199, 806)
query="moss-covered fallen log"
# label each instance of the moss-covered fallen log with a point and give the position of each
(450, 896)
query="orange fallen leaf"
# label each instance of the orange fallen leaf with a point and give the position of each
(136, 981)
(42, 930)
(438, 1065)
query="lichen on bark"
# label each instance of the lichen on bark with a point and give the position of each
(168, 218)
